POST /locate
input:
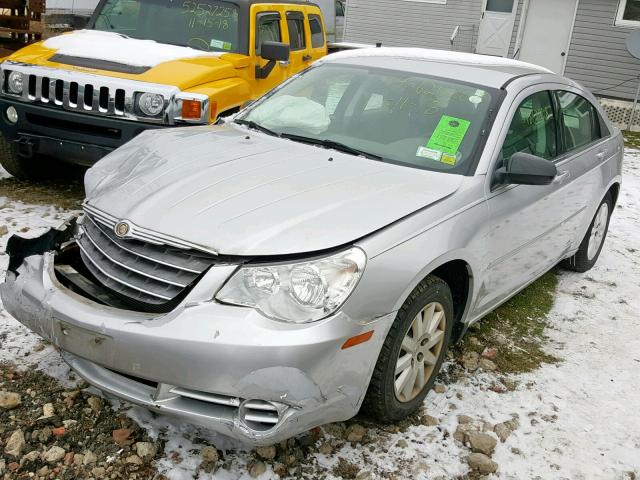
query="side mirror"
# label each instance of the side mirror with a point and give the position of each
(526, 169)
(277, 51)
(274, 52)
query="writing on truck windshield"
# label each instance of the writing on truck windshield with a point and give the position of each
(393, 116)
(209, 25)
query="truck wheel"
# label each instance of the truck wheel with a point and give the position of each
(592, 243)
(20, 167)
(412, 353)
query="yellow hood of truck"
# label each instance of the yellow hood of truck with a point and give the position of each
(183, 73)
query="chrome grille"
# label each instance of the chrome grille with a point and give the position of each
(88, 93)
(139, 271)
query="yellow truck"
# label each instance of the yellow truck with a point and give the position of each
(142, 64)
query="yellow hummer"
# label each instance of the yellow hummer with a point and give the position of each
(142, 64)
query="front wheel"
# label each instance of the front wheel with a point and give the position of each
(592, 243)
(412, 353)
(24, 168)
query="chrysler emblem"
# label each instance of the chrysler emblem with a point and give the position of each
(121, 229)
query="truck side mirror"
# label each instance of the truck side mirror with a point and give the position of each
(274, 52)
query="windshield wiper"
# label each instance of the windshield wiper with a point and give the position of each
(341, 147)
(256, 126)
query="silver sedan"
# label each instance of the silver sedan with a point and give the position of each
(315, 255)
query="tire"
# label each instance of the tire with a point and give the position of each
(383, 401)
(20, 167)
(588, 252)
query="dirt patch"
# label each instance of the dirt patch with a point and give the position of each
(631, 139)
(65, 192)
(61, 433)
(513, 335)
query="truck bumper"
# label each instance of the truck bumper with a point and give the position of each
(68, 136)
(226, 367)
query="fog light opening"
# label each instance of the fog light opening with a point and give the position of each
(12, 114)
(259, 415)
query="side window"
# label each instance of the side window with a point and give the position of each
(267, 29)
(339, 9)
(532, 129)
(295, 24)
(580, 122)
(317, 35)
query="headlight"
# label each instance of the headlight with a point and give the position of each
(15, 82)
(296, 292)
(151, 104)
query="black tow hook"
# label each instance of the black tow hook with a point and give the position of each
(25, 146)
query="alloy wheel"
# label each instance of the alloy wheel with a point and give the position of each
(598, 230)
(421, 347)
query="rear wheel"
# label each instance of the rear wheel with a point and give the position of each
(24, 168)
(412, 353)
(592, 243)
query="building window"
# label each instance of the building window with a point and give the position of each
(628, 13)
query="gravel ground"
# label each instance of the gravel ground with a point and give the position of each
(573, 418)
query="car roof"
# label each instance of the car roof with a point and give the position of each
(485, 70)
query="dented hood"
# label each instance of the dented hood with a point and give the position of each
(240, 192)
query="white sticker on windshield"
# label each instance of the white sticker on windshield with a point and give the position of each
(219, 44)
(429, 153)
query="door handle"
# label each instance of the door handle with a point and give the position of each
(306, 58)
(284, 63)
(562, 176)
(600, 155)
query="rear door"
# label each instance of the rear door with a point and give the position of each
(318, 47)
(586, 147)
(299, 42)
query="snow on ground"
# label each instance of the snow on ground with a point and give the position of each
(578, 418)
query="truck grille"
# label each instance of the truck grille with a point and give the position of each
(87, 93)
(77, 96)
(140, 272)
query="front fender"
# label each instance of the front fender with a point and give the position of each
(225, 94)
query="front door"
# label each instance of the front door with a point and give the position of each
(496, 27)
(525, 232)
(546, 33)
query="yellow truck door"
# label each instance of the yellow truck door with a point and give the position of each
(268, 25)
(300, 57)
(318, 45)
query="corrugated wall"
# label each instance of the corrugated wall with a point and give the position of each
(597, 55)
(409, 23)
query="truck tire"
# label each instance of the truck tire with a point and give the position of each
(403, 375)
(591, 245)
(23, 168)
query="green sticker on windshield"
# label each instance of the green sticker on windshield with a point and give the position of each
(449, 134)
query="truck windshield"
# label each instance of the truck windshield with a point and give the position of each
(386, 115)
(209, 25)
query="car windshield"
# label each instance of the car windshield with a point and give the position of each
(208, 25)
(388, 115)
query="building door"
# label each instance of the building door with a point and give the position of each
(547, 32)
(496, 27)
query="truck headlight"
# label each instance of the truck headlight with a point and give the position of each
(297, 292)
(151, 104)
(15, 82)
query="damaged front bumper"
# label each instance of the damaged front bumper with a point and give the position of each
(225, 367)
